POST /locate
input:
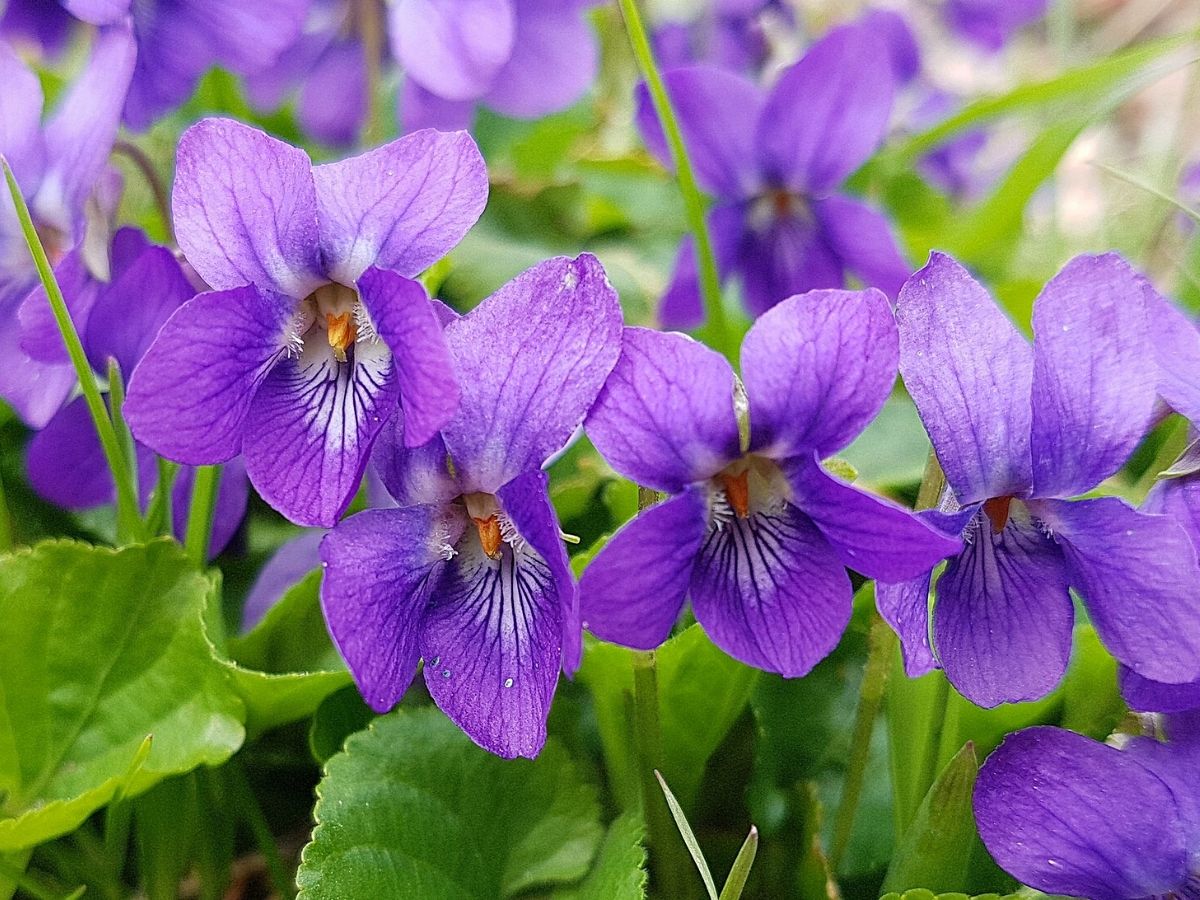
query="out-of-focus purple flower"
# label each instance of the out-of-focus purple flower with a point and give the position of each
(724, 33)
(953, 166)
(61, 169)
(44, 23)
(65, 462)
(1020, 430)
(1069, 815)
(326, 68)
(521, 58)
(759, 540)
(990, 24)
(775, 163)
(1189, 195)
(903, 50)
(469, 572)
(290, 563)
(314, 331)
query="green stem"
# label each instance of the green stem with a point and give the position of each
(26, 882)
(149, 173)
(934, 733)
(370, 32)
(714, 331)
(6, 530)
(116, 405)
(159, 514)
(200, 513)
(254, 818)
(127, 509)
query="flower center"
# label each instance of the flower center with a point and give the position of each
(54, 242)
(336, 310)
(484, 510)
(998, 510)
(778, 205)
(747, 486)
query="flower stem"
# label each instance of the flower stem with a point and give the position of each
(127, 509)
(714, 331)
(145, 166)
(200, 513)
(369, 23)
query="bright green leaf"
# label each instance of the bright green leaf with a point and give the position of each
(619, 872)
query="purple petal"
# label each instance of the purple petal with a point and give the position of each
(233, 494)
(286, 567)
(380, 569)
(190, 395)
(862, 237)
(420, 109)
(665, 416)
(129, 312)
(782, 256)
(1069, 815)
(828, 112)
(402, 206)
(530, 361)
(80, 134)
(969, 371)
(1146, 695)
(413, 475)
(770, 591)
(341, 72)
(453, 48)
(1095, 376)
(717, 111)
(1137, 574)
(990, 24)
(526, 501)
(98, 12)
(903, 50)
(47, 25)
(20, 119)
(492, 646)
(1178, 498)
(403, 316)
(1176, 342)
(312, 425)
(682, 305)
(1003, 618)
(35, 391)
(246, 209)
(40, 338)
(817, 369)
(871, 535)
(65, 462)
(553, 61)
(633, 590)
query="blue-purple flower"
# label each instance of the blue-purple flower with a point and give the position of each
(760, 539)
(990, 24)
(521, 58)
(314, 331)
(1020, 430)
(775, 163)
(61, 169)
(65, 462)
(469, 572)
(725, 33)
(1069, 815)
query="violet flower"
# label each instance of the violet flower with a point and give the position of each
(46, 25)
(314, 332)
(774, 163)
(469, 572)
(759, 540)
(990, 24)
(1069, 815)
(1021, 430)
(724, 33)
(521, 58)
(61, 169)
(65, 462)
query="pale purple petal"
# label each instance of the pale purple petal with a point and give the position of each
(190, 395)
(665, 416)
(770, 591)
(969, 371)
(492, 647)
(380, 569)
(990, 24)
(286, 567)
(864, 241)
(246, 209)
(233, 494)
(413, 475)
(341, 72)
(828, 112)
(35, 391)
(1068, 815)
(553, 62)
(419, 109)
(1176, 342)
(717, 111)
(41, 339)
(402, 206)
(407, 322)
(1095, 375)
(1146, 695)
(453, 48)
(311, 427)
(633, 590)
(871, 535)
(20, 120)
(530, 361)
(1003, 618)
(1137, 574)
(98, 12)
(903, 50)
(817, 369)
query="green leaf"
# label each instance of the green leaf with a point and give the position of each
(619, 872)
(740, 871)
(340, 715)
(922, 894)
(287, 665)
(937, 846)
(100, 649)
(689, 838)
(412, 802)
(701, 693)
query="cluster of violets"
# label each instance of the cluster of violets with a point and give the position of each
(294, 345)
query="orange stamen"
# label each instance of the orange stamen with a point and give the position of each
(489, 535)
(737, 492)
(342, 331)
(997, 510)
